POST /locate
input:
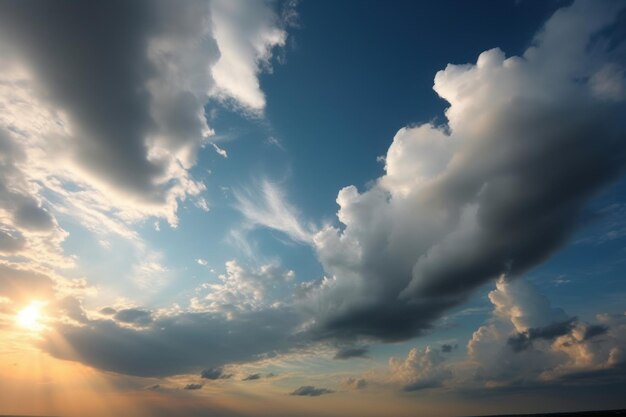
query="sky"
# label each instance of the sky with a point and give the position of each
(354, 208)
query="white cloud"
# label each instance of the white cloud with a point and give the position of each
(221, 152)
(421, 369)
(246, 33)
(245, 289)
(267, 206)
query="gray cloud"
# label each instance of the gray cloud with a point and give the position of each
(215, 373)
(133, 316)
(108, 311)
(125, 85)
(176, 344)
(496, 191)
(96, 74)
(252, 377)
(193, 386)
(523, 340)
(447, 348)
(595, 330)
(352, 352)
(311, 391)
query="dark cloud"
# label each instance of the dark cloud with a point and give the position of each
(311, 391)
(108, 311)
(352, 352)
(252, 377)
(134, 316)
(523, 340)
(446, 348)
(193, 386)
(176, 344)
(92, 62)
(215, 373)
(595, 330)
(420, 385)
(498, 190)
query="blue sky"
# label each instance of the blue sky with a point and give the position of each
(372, 204)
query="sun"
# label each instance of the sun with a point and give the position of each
(30, 316)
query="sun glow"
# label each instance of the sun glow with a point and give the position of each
(30, 317)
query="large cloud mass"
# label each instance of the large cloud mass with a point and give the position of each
(496, 191)
(109, 97)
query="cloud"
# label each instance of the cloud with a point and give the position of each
(193, 386)
(108, 311)
(421, 369)
(215, 373)
(522, 341)
(118, 93)
(497, 190)
(244, 319)
(133, 316)
(252, 377)
(267, 206)
(175, 343)
(246, 33)
(311, 391)
(447, 348)
(355, 383)
(243, 288)
(352, 352)
(21, 285)
(508, 351)
(221, 152)
(102, 116)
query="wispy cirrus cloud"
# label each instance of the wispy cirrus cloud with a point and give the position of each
(266, 205)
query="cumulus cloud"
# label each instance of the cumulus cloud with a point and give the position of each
(421, 369)
(528, 342)
(193, 386)
(528, 141)
(242, 288)
(311, 391)
(252, 377)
